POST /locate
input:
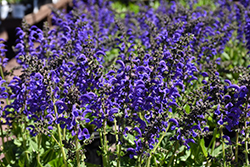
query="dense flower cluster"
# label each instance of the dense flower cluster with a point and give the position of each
(158, 56)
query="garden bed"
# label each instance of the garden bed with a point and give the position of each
(142, 84)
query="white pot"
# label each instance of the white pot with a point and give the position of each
(18, 11)
(4, 9)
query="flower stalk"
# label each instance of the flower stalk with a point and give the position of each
(118, 150)
(60, 136)
(223, 148)
(157, 145)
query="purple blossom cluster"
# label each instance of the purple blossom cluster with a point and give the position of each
(161, 55)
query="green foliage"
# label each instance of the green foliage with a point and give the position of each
(43, 150)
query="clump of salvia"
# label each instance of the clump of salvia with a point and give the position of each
(143, 75)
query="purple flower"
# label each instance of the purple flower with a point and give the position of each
(228, 139)
(61, 106)
(32, 130)
(174, 121)
(217, 111)
(236, 87)
(83, 134)
(139, 132)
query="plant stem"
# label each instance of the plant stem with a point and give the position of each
(1, 72)
(64, 133)
(55, 139)
(139, 161)
(61, 145)
(167, 153)
(38, 140)
(236, 149)
(246, 144)
(117, 145)
(157, 145)
(155, 162)
(102, 143)
(60, 136)
(223, 148)
(149, 161)
(27, 155)
(172, 157)
(77, 151)
(105, 143)
(24, 131)
(213, 141)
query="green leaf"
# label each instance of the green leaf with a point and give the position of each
(130, 138)
(187, 108)
(91, 165)
(32, 146)
(23, 161)
(48, 155)
(225, 55)
(156, 5)
(203, 147)
(229, 76)
(17, 142)
(134, 8)
(58, 162)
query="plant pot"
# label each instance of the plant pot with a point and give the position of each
(18, 11)
(4, 9)
(93, 148)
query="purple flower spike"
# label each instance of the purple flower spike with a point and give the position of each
(188, 141)
(227, 97)
(196, 127)
(61, 106)
(138, 131)
(234, 86)
(142, 123)
(83, 134)
(174, 121)
(87, 97)
(206, 129)
(220, 122)
(100, 52)
(204, 74)
(228, 139)
(217, 111)
(32, 130)
(112, 112)
(121, 63)
(228, 82)
(181, 85)
(204, 82)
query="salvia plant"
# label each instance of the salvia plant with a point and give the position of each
(163, 83)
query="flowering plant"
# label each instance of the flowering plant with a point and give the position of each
(155, 87)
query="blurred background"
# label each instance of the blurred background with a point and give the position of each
(35, 12)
